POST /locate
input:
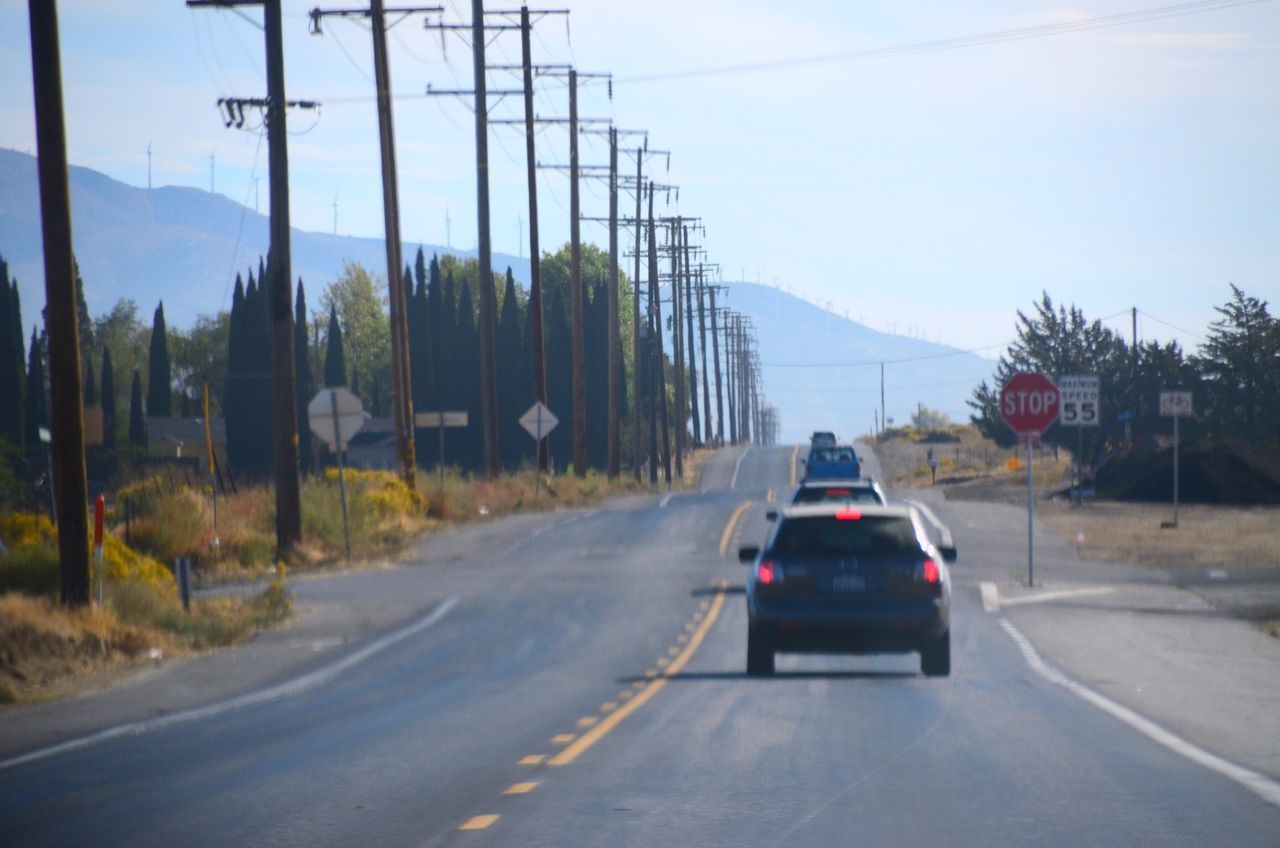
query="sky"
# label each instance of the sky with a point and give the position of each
(932, 193)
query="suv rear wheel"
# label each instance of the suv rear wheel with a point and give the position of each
(759, 654)
(935, 657)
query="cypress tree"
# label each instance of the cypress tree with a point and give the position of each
(137, 418)
(559, 351)
(514, 390)
(449, 384)
(306, 386)
(159, 372)
(108, 401)
(37, 409)
(435, 318)
(90, 383)
(420, 346)
(11, 360)
(335, 362)
(467, 370)
(233, 396)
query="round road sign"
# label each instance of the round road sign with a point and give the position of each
(1029, 403)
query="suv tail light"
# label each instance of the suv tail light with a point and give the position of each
(848, 515)
(768, 572)
(928, 572)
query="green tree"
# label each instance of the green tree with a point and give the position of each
(159, 369)
(515, 391)
(137, 416)
(335, 359)
(37, 408)
(11, 360)
(199, 356)
(109, 430)
(306, 386)
(1240, 363)
(360, 300)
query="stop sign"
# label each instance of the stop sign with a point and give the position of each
(1029, 403)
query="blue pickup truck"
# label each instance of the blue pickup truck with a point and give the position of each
(832, 462)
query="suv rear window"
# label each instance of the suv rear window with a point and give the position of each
(836, 494)
(829, 536)
(821, 455)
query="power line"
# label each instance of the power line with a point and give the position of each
(955, 43)
(885, 361)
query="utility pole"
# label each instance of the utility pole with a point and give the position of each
(688, 319)
(681, 410)
(715, 357)
(284, 405)
(575, 288)
(66, 413)
(702, 336)
(488, 305)
(635, 340)
(401, 379)
(535, 251)
(615, 344)
(730, 358)
(659, 382)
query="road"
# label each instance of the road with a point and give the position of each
(579, 681)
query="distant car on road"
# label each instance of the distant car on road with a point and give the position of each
(854, 491)
(823, 439)
(844, 579)
(832, 463)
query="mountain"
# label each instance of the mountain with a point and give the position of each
(181, 244)
(822, 371)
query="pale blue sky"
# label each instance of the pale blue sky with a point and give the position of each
(1118, 167)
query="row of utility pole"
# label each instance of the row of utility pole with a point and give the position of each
(722, 353)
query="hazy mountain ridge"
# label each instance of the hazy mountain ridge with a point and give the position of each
(178, 243)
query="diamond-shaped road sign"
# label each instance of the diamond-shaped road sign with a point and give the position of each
(335, 415)
(538, 421)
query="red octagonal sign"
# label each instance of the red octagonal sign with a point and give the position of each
(1029, 403)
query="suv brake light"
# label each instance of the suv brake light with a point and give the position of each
(768, 573)
(929, 571)
(848, 515)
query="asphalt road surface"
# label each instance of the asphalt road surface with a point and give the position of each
(582, 683)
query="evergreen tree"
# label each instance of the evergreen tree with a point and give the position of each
(515, 391)
(306, 386)
(559, 352)
(234, 410)
(1240, 360)
(420, 361)
(449, 383)
(467, 375)
(596, 343)
(90, 383)
(137, 417)
(335, 363)
(108, 402)
(11, 361)
(37, 409)
(260, 378)
(159, 371)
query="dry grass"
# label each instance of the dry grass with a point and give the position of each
(1209, 536)
(904, 461)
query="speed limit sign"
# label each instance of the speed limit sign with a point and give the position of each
(1079, 401)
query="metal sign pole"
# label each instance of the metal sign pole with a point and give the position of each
(1031, 551)
(1175, 468)
(537, 444)
(440, 428)
(342, 480)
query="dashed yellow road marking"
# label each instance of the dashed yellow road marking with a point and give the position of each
(608, 706)
(769, 496)
(587, 721)
(562, 739)
(689, 627)
(704, 605)
(673, 650)
(533, 760)
(522, 788)
(623, 695)
(795, 455)
(650, 672)
(595, 734)
(663, 662)
(682, 638)
(478, 822)
(728, 528)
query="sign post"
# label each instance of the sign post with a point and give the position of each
(1029, 404)
(1079, 399)
(538, 422)
(440, 420)
(335, 415)
(1175, 405)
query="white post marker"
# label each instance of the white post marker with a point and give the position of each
(1176, 405)
(335, 415)
(538, 422)
(440, 420)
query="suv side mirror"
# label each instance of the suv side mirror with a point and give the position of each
(748, 553)
(948, 552)
(771, 515)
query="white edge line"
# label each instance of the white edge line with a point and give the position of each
(1059, 595)
(1262, 786)
(737, 466)
(283, 690)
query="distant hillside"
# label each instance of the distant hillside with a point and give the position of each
(184, 245)
(795, 335)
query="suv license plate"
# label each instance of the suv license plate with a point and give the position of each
(849, 583)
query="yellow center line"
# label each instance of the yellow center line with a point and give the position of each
(478, 822)
(733, 521)
(532, 760)
(587, 721)
(522, 788)
(595, 734)
(608, 706)
(795, 456)
(562, 739)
